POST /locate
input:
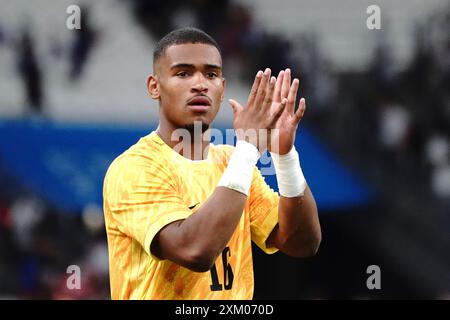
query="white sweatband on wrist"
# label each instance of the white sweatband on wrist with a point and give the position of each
(239, 172)
(291, 182)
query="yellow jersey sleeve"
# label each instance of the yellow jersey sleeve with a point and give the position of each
(142, 198)
(263, 208)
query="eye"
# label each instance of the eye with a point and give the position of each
(211, 75)
(182, 74)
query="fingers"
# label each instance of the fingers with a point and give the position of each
(237, 108)
(277, 114)
(262, 89)
(286, 84)
(277, 92)
(254, 90)
(300, 111)
(269, 95)
(292, 97)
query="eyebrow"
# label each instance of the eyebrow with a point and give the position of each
(190, 66)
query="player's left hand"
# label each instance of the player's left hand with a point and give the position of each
(282, 139)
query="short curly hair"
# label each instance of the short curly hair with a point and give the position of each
(182, 36)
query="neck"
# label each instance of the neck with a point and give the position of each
(191, 144)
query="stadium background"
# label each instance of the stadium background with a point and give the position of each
(374, 143)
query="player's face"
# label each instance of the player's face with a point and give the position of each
(189, 84)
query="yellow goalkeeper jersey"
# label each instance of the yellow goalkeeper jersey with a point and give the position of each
(149, 186)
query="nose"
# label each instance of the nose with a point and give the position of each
(199, 83)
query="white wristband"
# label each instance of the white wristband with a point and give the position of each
(239, 172)
(291, 182)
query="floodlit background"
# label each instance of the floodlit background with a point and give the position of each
(374, 142)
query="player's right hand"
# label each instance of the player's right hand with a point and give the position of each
(255, 122)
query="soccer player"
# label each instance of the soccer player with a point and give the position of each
(180, 220)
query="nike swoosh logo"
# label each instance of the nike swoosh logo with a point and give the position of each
(192, 207)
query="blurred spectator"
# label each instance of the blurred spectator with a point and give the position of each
(437, 150)
(155, 16)
(82, 46)
(2, 36)
(441, 181)
(213, 15)
(438, 155)
(395, 122)
(30, 72)
(26, 213)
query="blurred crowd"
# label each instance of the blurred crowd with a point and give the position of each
(392, 126)
(38, 243)
(245, 45)
(29, 63)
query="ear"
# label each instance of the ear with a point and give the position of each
(224, 82)
(153, 87)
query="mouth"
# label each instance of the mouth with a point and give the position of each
(199, 103)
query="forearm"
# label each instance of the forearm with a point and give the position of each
(298, 225)
(210, 228)
(298, 231)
